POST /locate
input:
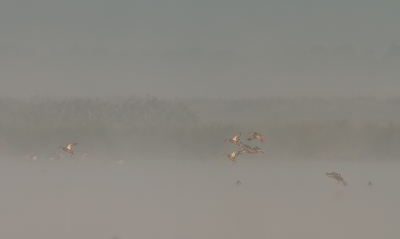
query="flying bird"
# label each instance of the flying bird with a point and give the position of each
(369, 183)
(68, 149)
(255, 135)
(231, 156)
(258, 149)
(246, 149)
(234, 140)
(336, 176)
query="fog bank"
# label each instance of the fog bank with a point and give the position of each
(183, 198)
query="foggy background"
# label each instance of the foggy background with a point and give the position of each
(150, 89)
(198, 199)
(228, 49)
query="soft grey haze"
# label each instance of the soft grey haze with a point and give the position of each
(220, 48)
(198, 199)
(150, 89)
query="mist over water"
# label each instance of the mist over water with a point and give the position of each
(150, 89)
(185, 198)
(151, 168)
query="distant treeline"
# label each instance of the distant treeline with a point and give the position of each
(29, 126)
(318, 129)
(37, 112)
(279, 110)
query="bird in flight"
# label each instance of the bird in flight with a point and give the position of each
(255, 135)
(336, 176)
(258, 149)
(234, 140)
(246, 149)
(68, 149)
(231, 156)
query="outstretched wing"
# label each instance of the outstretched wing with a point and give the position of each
(331, 175)
(70, 145)
(245, 146)
(258, 149)
(339, 177)
(236, 137)
(259, 136)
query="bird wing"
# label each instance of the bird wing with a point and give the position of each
(241, 151)
(339, 177)
(236, 137)
(331, 175)
(70, 145)
(245, 146)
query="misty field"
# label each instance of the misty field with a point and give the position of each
(120, 128)
(153, 168)
(187, 198)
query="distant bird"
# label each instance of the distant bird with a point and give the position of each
(255, 135)
(241, 151)
(258, 149)
(369, 183)
(238, 183)
(231, 156)
(234, 140)
(336, 176)
(68, 149)
(246, 149)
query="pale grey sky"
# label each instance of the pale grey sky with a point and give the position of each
(211, 48)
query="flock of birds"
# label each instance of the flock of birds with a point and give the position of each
(243, 149)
